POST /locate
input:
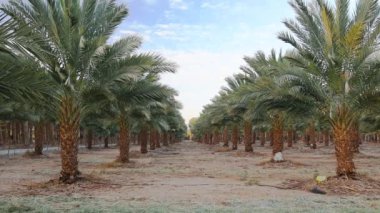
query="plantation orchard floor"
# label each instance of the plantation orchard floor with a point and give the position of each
(185, 177)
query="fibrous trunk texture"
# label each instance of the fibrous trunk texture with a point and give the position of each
(277, 129)
(235, 137)
(253, 137)
(165, 139)
(248, 136)
(144, 141)
(106, 140)
(355, 138)
(69, 119)
(123, 140)
(341, 125)
(152, 139)
(38, 138)
(89, 138)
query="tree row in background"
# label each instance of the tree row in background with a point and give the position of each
(61, 80)
(327, 88)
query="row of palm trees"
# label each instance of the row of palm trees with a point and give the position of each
(57, 66)
(329, 81)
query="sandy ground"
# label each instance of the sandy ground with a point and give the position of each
(185, 177)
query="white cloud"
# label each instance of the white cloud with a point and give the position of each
(178, 4)
(214, 5)
(200, 76)
(172, 31)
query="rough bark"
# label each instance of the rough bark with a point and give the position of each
(343, 152)
(38, 138)
(253, 137)
(89, 138)
(355, 138)
(235, 137)
(69, 119)
(248, 137)
(123, 140)
(277, 129)
(271, 134)
(343, 146)
(152, 139)
(106, 140)
(165, 139)
(144, 141)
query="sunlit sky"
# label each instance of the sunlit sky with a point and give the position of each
(207, 39)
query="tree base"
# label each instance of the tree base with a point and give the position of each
(67, 178)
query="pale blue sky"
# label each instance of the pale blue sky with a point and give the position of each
(206, 38)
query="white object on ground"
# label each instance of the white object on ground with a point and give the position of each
(278, 157)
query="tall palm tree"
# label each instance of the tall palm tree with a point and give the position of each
(71, 34)
(337, 68)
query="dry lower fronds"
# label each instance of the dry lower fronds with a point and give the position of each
(359, 185)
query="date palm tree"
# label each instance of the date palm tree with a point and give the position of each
(337, 67)
(70, 35)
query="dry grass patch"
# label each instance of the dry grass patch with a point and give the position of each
(85, 183)
(360, 185)
(278, 165)
(113, 164)
(223, 149)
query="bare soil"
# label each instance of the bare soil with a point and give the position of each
(192, 177)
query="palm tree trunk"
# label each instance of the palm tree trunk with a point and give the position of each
(235, 137)
(89, 138)
(225, 137)
(290, 138)
(144, 141)
(277, 138)
(17, 132)
(23, 132)
(165, 139)
(254, 137)
(69, 118)
(123, 140)
(341, 126)
(248, 136)
(38, 138)
(271, 133)
(106, 139)
(152, 139)
(312, 136)
(355, 137)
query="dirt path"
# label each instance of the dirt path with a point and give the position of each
(185, 177)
